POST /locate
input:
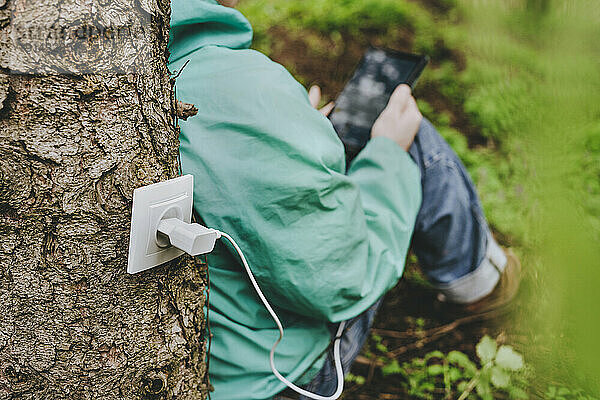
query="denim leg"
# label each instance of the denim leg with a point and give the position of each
(451, 239)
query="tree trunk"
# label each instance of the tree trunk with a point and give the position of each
(83, 122)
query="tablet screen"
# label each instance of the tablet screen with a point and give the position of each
(367, 93)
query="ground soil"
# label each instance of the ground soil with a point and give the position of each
(397, 323)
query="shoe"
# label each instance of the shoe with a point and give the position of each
(499, 301)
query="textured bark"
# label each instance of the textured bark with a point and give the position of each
(74, 324)
(185, 110)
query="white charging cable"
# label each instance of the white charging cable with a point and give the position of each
(196, 239)
(336, 343)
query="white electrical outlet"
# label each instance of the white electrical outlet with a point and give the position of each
(151, 204)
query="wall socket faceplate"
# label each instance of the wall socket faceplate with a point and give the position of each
(151, 204)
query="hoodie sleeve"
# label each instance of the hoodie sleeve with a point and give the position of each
(269, 170)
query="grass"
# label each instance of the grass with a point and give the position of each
(548, 61)
(514, 86)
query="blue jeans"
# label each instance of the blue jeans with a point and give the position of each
(452, 241)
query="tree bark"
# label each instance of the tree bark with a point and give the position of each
(77, 135)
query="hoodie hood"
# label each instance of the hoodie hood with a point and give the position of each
(199, 23)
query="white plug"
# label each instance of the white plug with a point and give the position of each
(192, 238)
(161, 228)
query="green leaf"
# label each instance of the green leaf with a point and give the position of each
(486, 349)
(551, 393)
(434, 354)
(484, 390)
(413, 383)
(500, 378)
(517, 393)
(509, 359)
(358, 379)
(418, 362)
(381, 347)
(463, 361)
(391, 368)
(563, 391)
(454, 374)
(577, 392)
(435, 369)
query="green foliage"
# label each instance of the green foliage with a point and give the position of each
(508, 359)
(589, 184)
(486, 349)
(391, 368)
(379, 346)
(563, 393)
(357, 379)
(502, 370)
(347, 15)
(329, 18)
(326, 26)
(492, 105)
(534, 83)
(446, 79)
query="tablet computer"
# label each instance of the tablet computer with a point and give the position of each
(367, 93)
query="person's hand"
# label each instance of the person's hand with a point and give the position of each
(400, 119)
(314, 96)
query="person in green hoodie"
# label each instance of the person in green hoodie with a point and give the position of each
(324, 244)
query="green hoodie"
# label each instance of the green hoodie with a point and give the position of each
(269, 170)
